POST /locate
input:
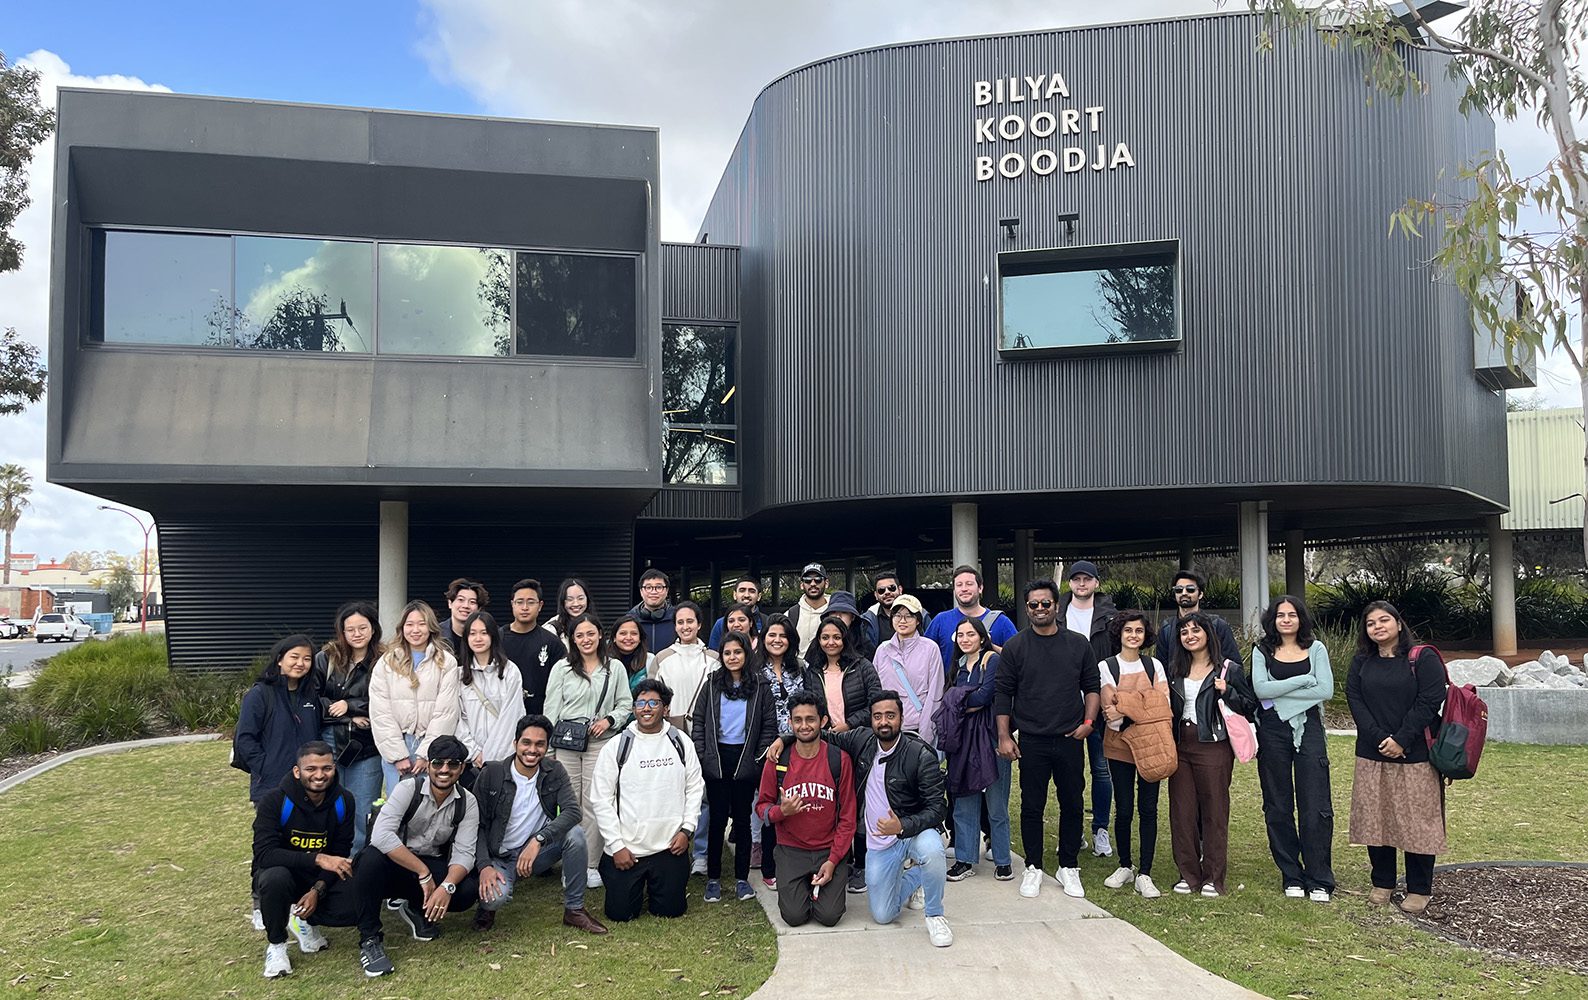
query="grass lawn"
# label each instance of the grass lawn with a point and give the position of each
(126, 875)
(1528, 803)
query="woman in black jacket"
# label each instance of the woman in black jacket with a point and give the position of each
(342, 667)
(848, 679)
(1199, 791)
(280, 713)
(734, 721)
(1397, 800)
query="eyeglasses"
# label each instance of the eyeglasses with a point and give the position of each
(653, 586)
(356, 629)
(525, 602)
(902, 613)
(647, 703)
(448, 764)
(1186, 590)
(1038, 605)
(891, 588)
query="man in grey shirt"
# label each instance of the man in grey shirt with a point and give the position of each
(421, 848)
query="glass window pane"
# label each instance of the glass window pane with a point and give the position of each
(1088, 304)
(451, 301)
(576, 305)
(705, 456)
(699, 367)
(166, 288)
(304, 295)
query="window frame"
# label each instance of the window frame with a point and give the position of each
(1102, 256)
(668, 426)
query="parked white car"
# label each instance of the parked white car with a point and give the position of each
(62, 628)
(9, 629)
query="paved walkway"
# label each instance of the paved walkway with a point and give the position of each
(1004, 945)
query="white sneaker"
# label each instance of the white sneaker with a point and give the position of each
(1070, 879)
(1319, 896)
(1031, 882)
(1210, 890)
(1295, 892)
(699, 867)
(592, 878)
(310, 940)
(1120, 878)
(1100, 844)
(917, 900)
(259, 920)
(938, 931)
(1182, 888)
(1145, 887)
(276, 961)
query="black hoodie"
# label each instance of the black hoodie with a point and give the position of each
(290, 838)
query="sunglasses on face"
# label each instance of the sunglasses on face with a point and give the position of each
(887, 588)
(1186, 590)
(647, 703)
(1039, 605)
(449, 764)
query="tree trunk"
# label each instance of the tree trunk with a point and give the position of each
(8, 547)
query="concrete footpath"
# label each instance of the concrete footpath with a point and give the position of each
(1004, 945)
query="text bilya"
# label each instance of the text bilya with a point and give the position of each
(1008, 111)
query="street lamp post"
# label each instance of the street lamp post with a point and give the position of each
(143, 608)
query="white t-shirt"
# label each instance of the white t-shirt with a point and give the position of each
(1126, 668)
(1189, 689)
(527, 817)
(1079, 620)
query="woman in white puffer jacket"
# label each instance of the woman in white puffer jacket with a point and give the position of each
(413, 694)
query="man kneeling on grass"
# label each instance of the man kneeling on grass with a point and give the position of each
(420, 852)
(529, 820)
(303, 834)
(808, 793)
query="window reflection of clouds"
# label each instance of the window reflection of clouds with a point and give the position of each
(443, 300)
(165, 288)
(293, 275)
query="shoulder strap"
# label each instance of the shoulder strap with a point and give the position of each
(341, 806)
(1113, 668)
(678, 744)
(1147, 665)
(286, 808)
(602, 697)
(782, 764)
(834, 764)
(898, 671)
(413, 805)
(625, 744)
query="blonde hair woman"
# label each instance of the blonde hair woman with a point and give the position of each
(413, 694)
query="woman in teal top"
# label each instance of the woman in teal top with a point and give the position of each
(1292, 679)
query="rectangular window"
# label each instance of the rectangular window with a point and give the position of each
(304, 295)
(700, 370)
(164, 288)
(577, 305)
(451, 301)
(701, 456)
(1089, 300)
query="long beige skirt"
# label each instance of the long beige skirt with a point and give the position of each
(1398, 805)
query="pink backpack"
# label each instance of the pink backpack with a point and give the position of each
(1455, 741)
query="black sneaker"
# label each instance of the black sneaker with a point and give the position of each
(1004, 873)
(959, 871)
(372, 958)
(421, 928)
(857, 881)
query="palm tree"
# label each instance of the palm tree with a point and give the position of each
(15, 485)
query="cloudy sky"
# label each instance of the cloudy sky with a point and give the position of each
(691, 69)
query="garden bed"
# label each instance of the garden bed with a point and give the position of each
(1531, 910)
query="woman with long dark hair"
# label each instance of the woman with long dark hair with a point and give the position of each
(491, 693)
(343, 665)
(733, 724)
(1397, 799)
(975, 669)
(1199, 789)
(1292, 677)
(628, 648)
(280, 713)
(1134, 692)
(592, 686)
(848, 678)
(573, 600)
(413, 694)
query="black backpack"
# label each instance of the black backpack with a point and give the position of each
(458, 808)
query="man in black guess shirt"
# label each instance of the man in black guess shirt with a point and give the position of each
(532, 649)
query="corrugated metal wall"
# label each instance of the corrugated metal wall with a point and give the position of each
(700, 282)
(1546, 453)
(1316, 349)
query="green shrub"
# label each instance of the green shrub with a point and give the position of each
(131, 665)
(205, 701)
(29, 732)
(109, 717)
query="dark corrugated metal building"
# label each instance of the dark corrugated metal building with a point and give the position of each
(1125, 285)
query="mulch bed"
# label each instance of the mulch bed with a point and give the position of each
(1533, 911)
(16, 765)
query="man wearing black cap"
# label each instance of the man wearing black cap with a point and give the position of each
(1088, 613)
(806, 613)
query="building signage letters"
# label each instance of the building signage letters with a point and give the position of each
(1010, 108)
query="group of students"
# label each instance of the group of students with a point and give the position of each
(567, 742)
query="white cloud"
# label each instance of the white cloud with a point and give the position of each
(59, 519)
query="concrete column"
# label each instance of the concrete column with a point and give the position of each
(1296, 563)
(1502, 588)
(1025, 569)
(1252, 528)
(963, 519)
(849, 576)
(987, 555)
(392, 577)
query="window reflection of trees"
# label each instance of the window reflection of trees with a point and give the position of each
(1140, 301)
(699, 366)
(576, 305)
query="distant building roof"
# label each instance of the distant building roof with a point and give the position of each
(1546, 464)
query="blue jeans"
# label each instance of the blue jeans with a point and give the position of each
(967, 818)
(891, 884)
(571, 852)
(1102, 780)
(389, 768)
(703, 831)
(362, 779)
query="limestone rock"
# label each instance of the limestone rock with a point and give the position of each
(1483, 671)
(1554, 662)
(1527, 681)
(1507, 677)
(1557, 681)
(1534, 670)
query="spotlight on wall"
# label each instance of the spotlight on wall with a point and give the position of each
(1009, 225)
(1070, 219)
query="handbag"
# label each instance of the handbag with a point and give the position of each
(1243, 738)
(574, 734)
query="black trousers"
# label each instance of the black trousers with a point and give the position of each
(279, 888)
(794, 903)
(1297, 807)
(729, 798)
(1062, 761)
(1127, 786)
(377, 877)
(661, 877)
(769, 850)
(1419, 870)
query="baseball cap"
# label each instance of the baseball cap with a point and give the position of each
(814, 568)
(909, 602)
(1082, 566)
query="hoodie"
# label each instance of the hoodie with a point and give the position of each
(686, 670)
(913, 665)
(657, 796)
(656, 625)
(309, 829)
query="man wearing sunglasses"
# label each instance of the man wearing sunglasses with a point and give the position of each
(421, 849)
(807, 612)
(1046, 703)
(1189, 587)
(879, 617)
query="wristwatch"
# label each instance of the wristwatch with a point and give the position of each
(449, 887)
(540, 838)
